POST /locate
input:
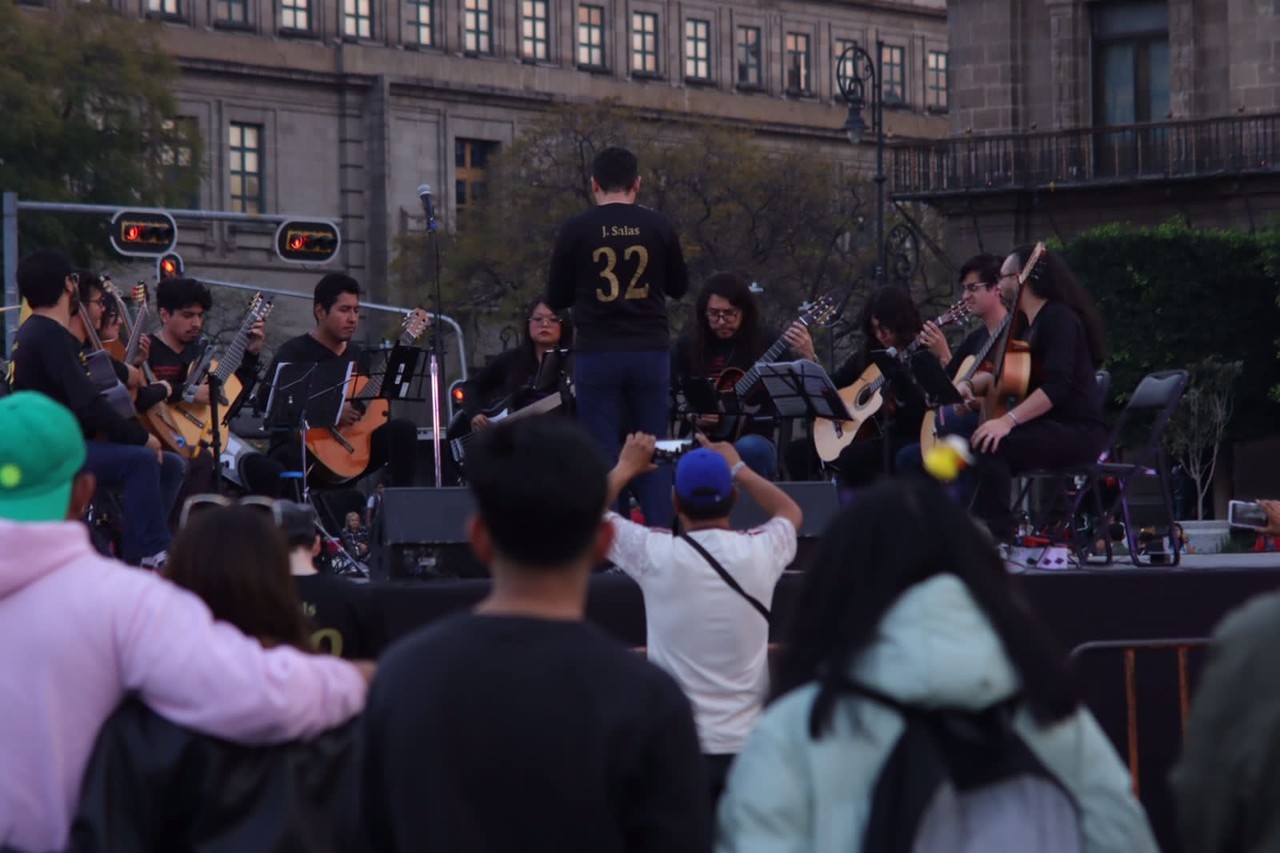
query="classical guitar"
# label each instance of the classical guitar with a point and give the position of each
(195, 420)
(342, 454)
(969, 365)
(864, 398)
(1011, 368)
(741, 382)
(102, 373)
(158, 419)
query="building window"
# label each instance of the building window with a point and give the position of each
(471, 164)
(421, 22)
(849, 66)
(1131, 62)
(892, 71)
(697, 49)
(644, 43)
(357, 19)
(165, 8)
(234, 12)
(935, 79)
(244, 163)
(591, 36)
(796, 51)
(177, 157)
(295, 15)
(477, 27)
(747, 49)
(534, 43)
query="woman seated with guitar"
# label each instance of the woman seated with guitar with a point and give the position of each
(727, 339)
(1058, 422)
(506, 384)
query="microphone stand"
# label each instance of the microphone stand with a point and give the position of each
(436, 352)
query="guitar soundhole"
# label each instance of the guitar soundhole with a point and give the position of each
(863, 397)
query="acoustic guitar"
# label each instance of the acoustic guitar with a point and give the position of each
(969, 365)
(158, 419)
(741, 382)
(102, 373)
(341, 455)
(195, 420)
(864, 398)
(1011, 370)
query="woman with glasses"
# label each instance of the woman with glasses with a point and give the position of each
(727, 338)
(512, 380)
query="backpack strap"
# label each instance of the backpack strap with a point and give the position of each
(728, 578)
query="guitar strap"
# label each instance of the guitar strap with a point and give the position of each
(728, 578)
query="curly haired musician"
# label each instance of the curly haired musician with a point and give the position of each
(1059, 422)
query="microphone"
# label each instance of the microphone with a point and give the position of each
(424, 193)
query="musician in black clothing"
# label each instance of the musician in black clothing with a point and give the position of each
(616, 265)
(337, 312)
(511, 375)
(120, 453)
(728, 335)
(1060, 422)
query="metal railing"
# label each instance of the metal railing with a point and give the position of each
(1198, 148)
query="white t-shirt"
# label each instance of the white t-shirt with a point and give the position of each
(706, 635)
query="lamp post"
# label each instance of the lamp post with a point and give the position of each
(857, 70)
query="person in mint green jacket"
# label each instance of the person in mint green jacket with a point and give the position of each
(908, 597)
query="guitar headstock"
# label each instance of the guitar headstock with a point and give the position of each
(1034, 264)
(415, 323)
(139, 293)
(820, 313)
(955, 313)
(259, 308)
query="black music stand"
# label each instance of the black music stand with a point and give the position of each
(306, 395)
(801, 389)
(403, 376)
(931, 377)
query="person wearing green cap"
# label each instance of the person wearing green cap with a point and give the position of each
(79, 631)
(119, 451)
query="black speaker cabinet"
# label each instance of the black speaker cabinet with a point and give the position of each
(424, 532)
(817, 500)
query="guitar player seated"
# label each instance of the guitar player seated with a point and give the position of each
(336, 308)
(119, 451)
(507, 381)
(728, 338)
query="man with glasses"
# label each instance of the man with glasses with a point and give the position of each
(120, 453)
(726, 339)
(616, 265)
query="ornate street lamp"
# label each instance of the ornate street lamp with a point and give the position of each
(855, 72)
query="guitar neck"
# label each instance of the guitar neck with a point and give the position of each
(135, 334)
(546, 404)
(987, 347)
(743, 385)
(374, 386)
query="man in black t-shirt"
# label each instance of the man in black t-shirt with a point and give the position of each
(519, 727)
(337, 312)
(616, 265)
(47, 358)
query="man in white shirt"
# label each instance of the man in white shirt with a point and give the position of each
(711, 637)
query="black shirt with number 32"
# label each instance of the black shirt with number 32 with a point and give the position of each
(617, 264)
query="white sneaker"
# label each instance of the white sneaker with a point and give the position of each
(156, 562)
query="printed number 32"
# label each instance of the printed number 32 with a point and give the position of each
(635, 290)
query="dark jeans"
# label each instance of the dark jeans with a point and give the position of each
(909, 463)
(148, 492)
(619, 392)
(1041, 443)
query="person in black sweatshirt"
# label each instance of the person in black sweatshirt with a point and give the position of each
(520, 727)
(337, 312)
(616, 265)
(47, 357)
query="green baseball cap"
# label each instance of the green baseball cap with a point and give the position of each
(41, 451)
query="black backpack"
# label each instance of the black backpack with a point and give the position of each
(963, 782)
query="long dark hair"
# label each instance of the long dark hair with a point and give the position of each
(237, 560)
(893, 309)
(897, 534)
(1054, 281)
(526, 366)
(736, 290)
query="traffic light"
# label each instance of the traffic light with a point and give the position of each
(169, 266)
(307, 242)
(143, 233)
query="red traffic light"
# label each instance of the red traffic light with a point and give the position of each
(143, 233)
(312, 241)
(132, 233)
(169, 266)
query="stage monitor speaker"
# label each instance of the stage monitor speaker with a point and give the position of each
(426, 516)
(818, 501)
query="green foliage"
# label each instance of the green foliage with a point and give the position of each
(88, 117)
(1172, 295)
(785, 219)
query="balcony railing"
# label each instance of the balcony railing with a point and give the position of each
(1089, 156)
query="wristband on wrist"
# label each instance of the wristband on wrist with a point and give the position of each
(733, 472)
(1013, 418)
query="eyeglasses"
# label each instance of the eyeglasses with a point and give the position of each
(545, 321)
(196, 504)
(75, 278)
(725, 315)
(973, 288)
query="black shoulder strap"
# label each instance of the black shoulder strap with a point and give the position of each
(728, 578)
